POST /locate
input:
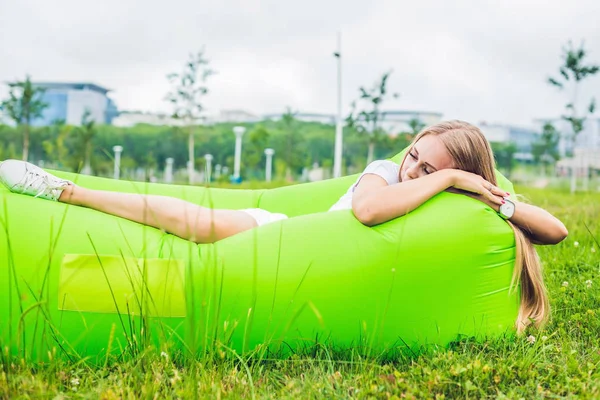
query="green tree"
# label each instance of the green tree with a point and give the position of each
(416, 125)
(86, 133)
(292, 153)
(504, 153)
(572, 72)
(188, 90)
(259, 138)
(366, 115)
(55, 147)
(545, 149)
(24, 105)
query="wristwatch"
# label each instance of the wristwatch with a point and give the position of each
(507, 210)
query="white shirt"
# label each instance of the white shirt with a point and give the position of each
(388, 170)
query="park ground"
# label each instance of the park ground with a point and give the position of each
(560, 361)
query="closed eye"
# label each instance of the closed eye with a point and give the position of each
(414, 157)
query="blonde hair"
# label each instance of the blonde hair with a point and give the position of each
(471, 152)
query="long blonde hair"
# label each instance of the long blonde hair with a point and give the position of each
(471, 152)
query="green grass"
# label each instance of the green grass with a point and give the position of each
(562, 362)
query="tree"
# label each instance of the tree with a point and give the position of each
(188, 90)
(366, 119)
(23, 106)
(292, 155)
(416, 125)
(86, 132)
(545, 149)
(259, 137)
(504, 153)
(572, 73)
(55, 147)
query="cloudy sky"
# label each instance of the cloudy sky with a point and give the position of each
(477, 60)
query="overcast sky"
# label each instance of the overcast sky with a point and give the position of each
(477, 60)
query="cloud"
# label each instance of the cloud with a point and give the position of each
(474, 60)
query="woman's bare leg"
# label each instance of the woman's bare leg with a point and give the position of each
(178, 217)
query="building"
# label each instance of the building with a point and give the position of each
(69, 101)
(581, 163)
(588, 138)
(522, 137)
(398, 121)
(131, 118)
(327, 119)
(391, 121)
(233, 116)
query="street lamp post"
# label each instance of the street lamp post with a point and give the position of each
(169, 170)
(337, 156)
(207, 172)
(239, 132)
(269, 164)
(118, 150)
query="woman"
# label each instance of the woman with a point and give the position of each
(451, 155)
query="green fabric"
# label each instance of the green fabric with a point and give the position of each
(86, 282)
(111, 284)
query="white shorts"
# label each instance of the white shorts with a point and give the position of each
(263, 217)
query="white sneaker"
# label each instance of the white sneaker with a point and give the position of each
(26, 178)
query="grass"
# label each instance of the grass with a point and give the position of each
(561, 361)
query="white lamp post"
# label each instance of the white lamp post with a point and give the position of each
(269, 165)
(169, 170)
(207, 172)
(217, 171)
(118, 150)
(239, 132)
(337, 154)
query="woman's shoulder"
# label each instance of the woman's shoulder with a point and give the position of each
(387, 169)
(382, 164)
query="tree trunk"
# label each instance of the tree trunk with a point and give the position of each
(25, 142)
(191, 167)
(371, 152)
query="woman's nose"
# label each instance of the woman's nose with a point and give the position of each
(411, 172)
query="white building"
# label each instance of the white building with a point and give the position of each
(327, 119)
(581, 162)
(398, 121)
(233, 116)
(132, 118)
(68, 102)
(588, 138)
(522, 137)
(391, 121)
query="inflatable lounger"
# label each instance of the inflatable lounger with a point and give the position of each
(87, 283)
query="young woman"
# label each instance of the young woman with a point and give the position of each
(451, 155)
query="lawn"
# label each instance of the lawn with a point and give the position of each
(560, 361)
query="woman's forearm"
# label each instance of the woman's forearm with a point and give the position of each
(388, 202)
(539, 224)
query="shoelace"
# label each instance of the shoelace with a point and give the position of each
(33, 178)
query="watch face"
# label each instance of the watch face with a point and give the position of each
(507, 209)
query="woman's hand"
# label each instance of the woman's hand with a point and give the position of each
(478, 187)
(538, 224)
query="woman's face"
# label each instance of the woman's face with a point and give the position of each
(427, 156)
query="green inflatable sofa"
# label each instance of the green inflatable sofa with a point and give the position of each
(78, 282)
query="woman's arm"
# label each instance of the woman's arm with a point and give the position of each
(541, 226)
(375, 202)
